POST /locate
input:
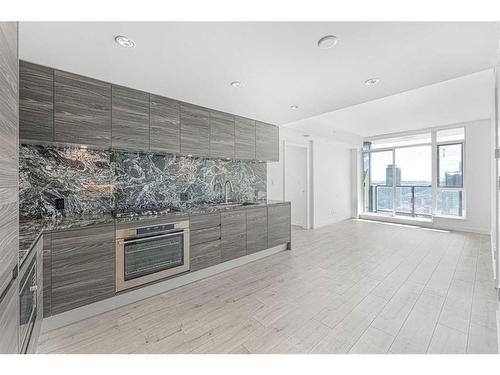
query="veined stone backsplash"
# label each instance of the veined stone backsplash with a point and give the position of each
(98, 181)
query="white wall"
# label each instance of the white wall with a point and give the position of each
(477, 180)
(330, 193)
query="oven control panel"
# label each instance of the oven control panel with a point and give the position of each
(155, 229)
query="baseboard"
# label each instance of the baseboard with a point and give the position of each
(88, 311)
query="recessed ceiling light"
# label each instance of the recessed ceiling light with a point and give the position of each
(189, 155)
(372, 81)
(124, 41)
(327, 41)
(294, 107)
(236, 84)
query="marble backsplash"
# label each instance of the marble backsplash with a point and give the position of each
(98, 181)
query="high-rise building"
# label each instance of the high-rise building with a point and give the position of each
(453, 179)
(388, 175)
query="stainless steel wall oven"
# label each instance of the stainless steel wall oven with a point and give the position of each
(148, 253)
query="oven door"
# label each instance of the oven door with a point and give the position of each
(142, 260)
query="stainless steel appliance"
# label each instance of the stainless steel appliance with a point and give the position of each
(27, 305)
(148, 253)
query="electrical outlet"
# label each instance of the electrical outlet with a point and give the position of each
(59, 203)
(184, 197)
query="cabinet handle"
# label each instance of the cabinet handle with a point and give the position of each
(33, 288)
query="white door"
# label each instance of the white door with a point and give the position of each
(296, 183)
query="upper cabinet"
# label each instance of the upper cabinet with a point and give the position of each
(195, 131)
(266, 142)
(164, 125)
(82, 110)
(244, 138)
(130, 119)
(66, 108)
(221, 135)
(36, 102)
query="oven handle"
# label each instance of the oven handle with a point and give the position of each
(153, 237)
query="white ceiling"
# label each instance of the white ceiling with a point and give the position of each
(457, 100)
(278, 63)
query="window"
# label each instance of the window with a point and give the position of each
(399, 174)
(450, 195)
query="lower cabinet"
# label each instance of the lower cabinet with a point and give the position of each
(278, 224)
(204, 255)
(233, 234)
(256, 229)
(9, 320)
(83, 267)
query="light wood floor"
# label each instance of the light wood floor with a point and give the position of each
(353, 287)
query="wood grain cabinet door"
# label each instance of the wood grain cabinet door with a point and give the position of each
(130, 119)
(164, 124)
(266, 142)
(221, 135)
(204, 255)
(244, 138)
(233, 234)
(36, 102)
(256, 229)
(82, 110)
(195, 131)
(83, 267)
(278, 224)
(9, 320)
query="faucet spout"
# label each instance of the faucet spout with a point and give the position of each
(226, 185)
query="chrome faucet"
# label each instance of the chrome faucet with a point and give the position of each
(225, 190)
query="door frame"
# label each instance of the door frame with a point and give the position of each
(309, 178)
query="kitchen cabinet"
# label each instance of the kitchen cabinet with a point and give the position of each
(36, 102)
(130, 119)
(164, 124)
(278, 224)
(47, 274)
(83, 263)
(221, 135)
(82, 110)
(244, 138)
(65, 108)
(266, 142)
(256, 229)
(9, 320)
(205, 241)
(195, 131)
(233, 234)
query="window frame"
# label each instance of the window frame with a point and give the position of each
(436, 188)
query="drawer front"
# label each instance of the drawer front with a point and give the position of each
(204, 221)
(256, 230)
(205, 235)
(205, 255)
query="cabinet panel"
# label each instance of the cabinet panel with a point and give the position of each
(279, 225)
(83, 263)
(205, 255)
(47, 274)
(195, 131)
(244, 138)
(205, 235)
(204, 221)
(130, 119)
(256, 229)
(164, 124)
(233, 234)
(267, 142)
(9, 238)
(221, 135)
(82, 110)
(9, 320)
(36, 102)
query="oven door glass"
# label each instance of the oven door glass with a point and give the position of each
(149, 255)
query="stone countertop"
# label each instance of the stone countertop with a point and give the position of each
(30, 230)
